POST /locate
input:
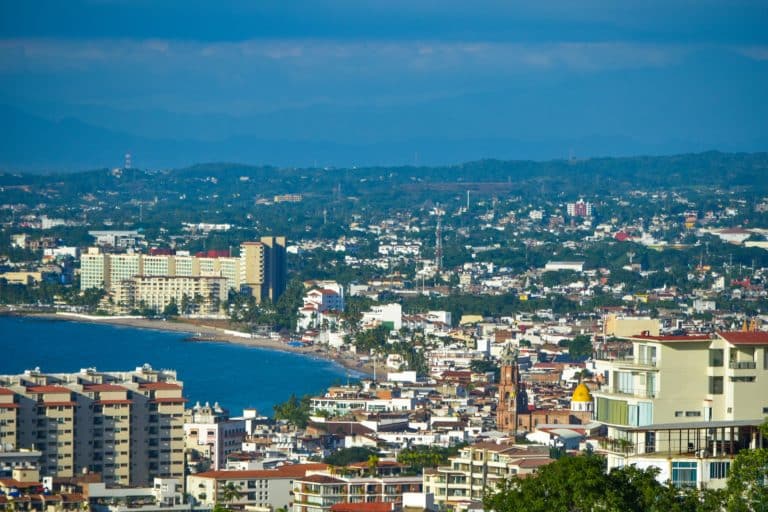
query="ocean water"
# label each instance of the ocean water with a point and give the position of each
(235, 376)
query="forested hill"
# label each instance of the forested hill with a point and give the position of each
(700, 169)
(738, 172)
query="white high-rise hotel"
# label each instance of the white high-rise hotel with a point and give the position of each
(155, 280)
(684, 404)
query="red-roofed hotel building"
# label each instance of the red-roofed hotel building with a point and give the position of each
(685, 404)
(126, 425)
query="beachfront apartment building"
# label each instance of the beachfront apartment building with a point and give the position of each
(94, 268)
(205, 295)
(260, 269)
(128, 426)
(480, 467)
(684, 404)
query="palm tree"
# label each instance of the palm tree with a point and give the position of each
(230, 493)
(373, 465)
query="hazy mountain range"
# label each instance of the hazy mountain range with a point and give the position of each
(34, 143)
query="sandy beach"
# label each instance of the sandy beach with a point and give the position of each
(212, 331)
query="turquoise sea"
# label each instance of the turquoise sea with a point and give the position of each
(233, 375)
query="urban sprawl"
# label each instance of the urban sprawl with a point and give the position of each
(499, 331)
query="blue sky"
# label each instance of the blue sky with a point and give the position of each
(402, 78)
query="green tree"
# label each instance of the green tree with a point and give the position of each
(347, 456)
(294, 410)
(747, 486)
(580, 346)
(580, 483)
(230, 493)
(171, 309)
(373, 465)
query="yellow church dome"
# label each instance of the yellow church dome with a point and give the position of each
(581, 393)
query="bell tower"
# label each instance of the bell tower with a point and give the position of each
(512, 396)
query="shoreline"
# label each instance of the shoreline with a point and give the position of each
(199, 331)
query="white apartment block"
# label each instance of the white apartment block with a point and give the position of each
(390, 315)
(155, 292)
(94, 267)
(210, 434)
(125, 425)
(339, 406)
(318, 492)
(153, 280)
(272, 488)
(684, 404)
(480, 467)
(123, 266)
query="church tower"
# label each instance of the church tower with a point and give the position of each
(512, 396)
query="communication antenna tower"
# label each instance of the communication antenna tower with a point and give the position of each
(439, 244)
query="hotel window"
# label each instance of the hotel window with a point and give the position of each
(715, 357)
(684, 474)
(715, 385)
(719, 470)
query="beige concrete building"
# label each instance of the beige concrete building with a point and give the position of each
(320, 491)
(266, 488)
(126, 425)
(674, 401)
(479, 467)
(261, 267)
(205, 294)
(94, 267)
(124, 266)
(620, 326)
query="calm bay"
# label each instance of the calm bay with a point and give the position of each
(234, 375)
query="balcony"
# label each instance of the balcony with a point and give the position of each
(621, 446)
(742, 365)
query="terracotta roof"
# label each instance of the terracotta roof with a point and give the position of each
(60, 404)
(9, 406)
(322, 479)
(535, 462)
(113, 402)
(48, 389)
(290, 471)
(685, 337)
(104, 387)
(745, 338)
(159, 385)
(6, 391)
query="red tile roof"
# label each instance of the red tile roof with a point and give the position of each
(113, 402)
(321, 479)
(60, 404)
(6, 391)
(290, 471)
(685, 337)
(744, 338)
(48, 389)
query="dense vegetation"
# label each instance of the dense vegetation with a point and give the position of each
(580, 484)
